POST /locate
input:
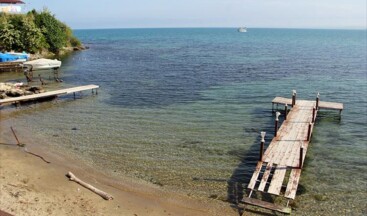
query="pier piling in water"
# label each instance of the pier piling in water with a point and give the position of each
(276, 123)
(317, 100)
(301, 157)
(262, 145)
(294, 95)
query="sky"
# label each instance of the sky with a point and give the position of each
(329, 14)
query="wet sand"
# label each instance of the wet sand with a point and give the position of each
(30, 186)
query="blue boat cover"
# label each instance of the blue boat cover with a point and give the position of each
(6, 57)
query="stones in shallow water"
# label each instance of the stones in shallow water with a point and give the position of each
(17, 90)
(320, 197)
(35, 89)
(14, 93)
(3, 95)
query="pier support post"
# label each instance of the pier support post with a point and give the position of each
(309, 131)
(285, 111)
(277, 114)
(262, 145)
(294, 96)
(301, 157)
(41, 80)
(317, 100)
(340, 115)
(313, 114)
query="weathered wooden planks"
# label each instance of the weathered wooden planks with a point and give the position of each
(277, 181)
(322, 104)
(49, 94)
(331, 105)
(11, 67)
(284, 152)
(253, 180)
(267, 205)
(265, 177)
(282, 149)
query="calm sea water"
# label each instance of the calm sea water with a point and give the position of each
(183, 108)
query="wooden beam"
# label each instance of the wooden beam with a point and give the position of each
(253, 180)
(265, 177)
(267, 205)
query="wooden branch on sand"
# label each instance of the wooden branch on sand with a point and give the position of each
(104, 195)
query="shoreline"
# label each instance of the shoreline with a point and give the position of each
(30, 186)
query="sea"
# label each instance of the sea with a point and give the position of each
(183, 109)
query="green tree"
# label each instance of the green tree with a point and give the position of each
(31, 36)
(53, 30)
(33, 32)
(9, 35)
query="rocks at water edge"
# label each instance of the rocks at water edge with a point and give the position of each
(18, 89)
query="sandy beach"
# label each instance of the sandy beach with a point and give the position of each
(30, 186)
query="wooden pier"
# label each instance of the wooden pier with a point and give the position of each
(49, 94)
(11, 66)
(278, 170)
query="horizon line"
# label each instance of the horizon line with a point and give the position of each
(300, 28)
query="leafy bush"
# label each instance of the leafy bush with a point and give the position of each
(75, 42)
(9, 35)
(31, 36)
(33, 32)
(53, 30)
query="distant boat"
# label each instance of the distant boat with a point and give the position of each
(242, 29)
(42, 64)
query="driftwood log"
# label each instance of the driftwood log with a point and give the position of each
(104, 195)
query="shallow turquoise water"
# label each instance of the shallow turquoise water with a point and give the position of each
(183, 108)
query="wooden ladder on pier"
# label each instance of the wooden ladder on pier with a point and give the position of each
(279, 171)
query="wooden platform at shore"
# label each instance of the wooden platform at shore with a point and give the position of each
(49, 94)
(11, 66)
(278, 170)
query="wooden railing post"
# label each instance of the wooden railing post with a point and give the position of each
(285, 111)
(309, 132)
(317, 100)
(277, 114)
(294, 95)
(313, 114)
(301, 157)
(262, 145)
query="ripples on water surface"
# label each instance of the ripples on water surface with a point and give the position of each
(183, 108)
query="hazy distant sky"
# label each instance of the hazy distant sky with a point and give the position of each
(207, 13)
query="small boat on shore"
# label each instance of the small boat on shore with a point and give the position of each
(242, 29)
(42, 64)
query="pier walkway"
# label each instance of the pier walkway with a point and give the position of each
(278, 170)
(49, 94)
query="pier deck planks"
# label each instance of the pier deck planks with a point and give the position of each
(322, 104)
(283, 153)
(49, 94)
